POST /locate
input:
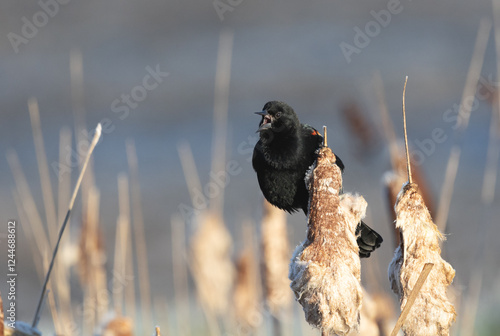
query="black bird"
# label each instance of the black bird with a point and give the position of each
(282, 156)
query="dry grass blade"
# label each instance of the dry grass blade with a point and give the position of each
(471, 305)
(493, 154)
(191, 175)
(51, 301)
(28, 204)
(447, 189)
(473, 74)
(62, 269)
(180, 273)
(64, 178)
(386, 120)
(29, 234)
(325, 269)
(122, 247)
(157, 331)
(95, 139)
(470, 87)
(221, 102)
(413, 296)
(43, 170)
(139, 235)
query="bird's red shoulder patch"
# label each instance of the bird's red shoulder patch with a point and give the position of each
(314, 132)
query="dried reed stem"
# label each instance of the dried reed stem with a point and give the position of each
(221, 102)
(123, 251)
(413, 296)
(79, 115)
(493, 153)
(157, 330)
(191, 173)
(325, 268)
(180, 273)
(490, 171)
(43, 170)
(28, 232)
(139, 235)
(447, 188)
(325, 138)
(410, 180)
(470, 87)
(28, 204)
(95, 139)
(62, 270)
(51, 301)
(471, 304)
(389, 132)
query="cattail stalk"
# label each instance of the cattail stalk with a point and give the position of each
(432, 313)
(469, 91)
(221, 103)
(246, 289)
(180, 274)
(139, 235)
(43, 170)
(212, 267)
(275, 260)
(62, 270)
(325, 269)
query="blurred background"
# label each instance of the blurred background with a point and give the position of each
(147, 71)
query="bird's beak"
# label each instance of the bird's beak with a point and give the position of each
(266, 121)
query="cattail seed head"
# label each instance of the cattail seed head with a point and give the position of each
(325, 268)
(432, 313)
(275, 259)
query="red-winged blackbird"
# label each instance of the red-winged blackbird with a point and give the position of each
(282, 156)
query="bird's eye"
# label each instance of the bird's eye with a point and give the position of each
(278, 114)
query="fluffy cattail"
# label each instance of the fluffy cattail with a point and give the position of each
(119, 326)
(275, 259)
(247, 289)
(212, 267)
(325, 268)
(432, 313)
